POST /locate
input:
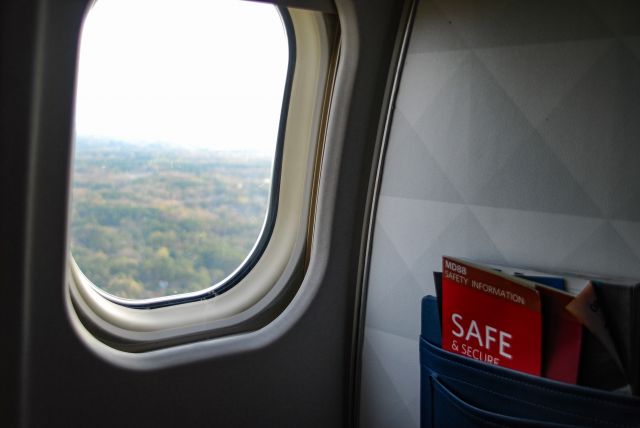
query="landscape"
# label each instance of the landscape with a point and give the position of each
(149, 220)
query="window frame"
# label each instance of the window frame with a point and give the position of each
(266, 231)
(269, 285)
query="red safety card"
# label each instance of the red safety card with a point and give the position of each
(491, 316)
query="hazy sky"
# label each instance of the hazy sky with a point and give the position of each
(198, 73)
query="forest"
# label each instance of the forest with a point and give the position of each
(152, 220)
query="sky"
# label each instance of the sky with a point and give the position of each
(191, 73)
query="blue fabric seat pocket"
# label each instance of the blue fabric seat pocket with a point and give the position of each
(457, 391)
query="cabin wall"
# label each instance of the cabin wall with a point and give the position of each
(291, 373)
(515, 140)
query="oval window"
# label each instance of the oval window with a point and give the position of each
(178, 110)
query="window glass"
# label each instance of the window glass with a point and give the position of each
(177, 114)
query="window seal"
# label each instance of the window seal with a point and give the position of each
(268, 288)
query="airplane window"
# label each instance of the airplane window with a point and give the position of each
(177, 114)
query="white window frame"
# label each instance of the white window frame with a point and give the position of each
(107, 326)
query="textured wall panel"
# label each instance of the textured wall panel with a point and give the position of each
(516, 140)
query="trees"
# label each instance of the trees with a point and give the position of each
(154, 221)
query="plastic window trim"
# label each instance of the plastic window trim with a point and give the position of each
(132, 329)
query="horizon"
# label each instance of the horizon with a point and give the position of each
(84, 142)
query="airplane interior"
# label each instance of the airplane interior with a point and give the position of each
(502, 134)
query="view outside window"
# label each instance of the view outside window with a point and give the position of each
(177, 114)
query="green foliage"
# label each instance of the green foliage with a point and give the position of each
(152, 221)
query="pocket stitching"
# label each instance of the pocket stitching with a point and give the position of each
(463, 409)
(595, 400)
(586, 418)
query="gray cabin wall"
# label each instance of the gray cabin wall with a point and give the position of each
(515, 140)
